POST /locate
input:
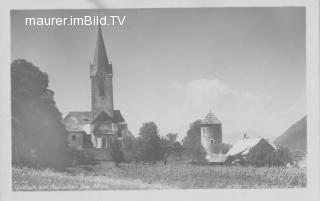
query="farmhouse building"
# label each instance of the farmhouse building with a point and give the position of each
(103, 124)
(211, 141)
(247, 147)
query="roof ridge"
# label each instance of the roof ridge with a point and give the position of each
(80, 111)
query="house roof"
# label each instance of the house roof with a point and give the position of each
(79, 117)
(75, 120)
(210, 119)
(271, 143)
(244, 146)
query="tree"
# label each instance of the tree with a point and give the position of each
(178, 149)
(166, 149)
(280, 157)
(170, 147)
(116, 152)
(130, 146)
(192, 142)
(149, 141)
(264, 157)
(172, 137)
(38, 136)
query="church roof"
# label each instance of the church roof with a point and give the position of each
(210, 119)
(77, 120)
(100, 57)
(103, 116)
(117, 116)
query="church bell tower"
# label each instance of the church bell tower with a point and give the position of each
(101, 80)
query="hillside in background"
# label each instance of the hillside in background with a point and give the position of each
(295, 138)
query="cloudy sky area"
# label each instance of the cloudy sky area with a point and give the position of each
(172, 66)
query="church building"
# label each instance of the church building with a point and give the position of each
(103, 124)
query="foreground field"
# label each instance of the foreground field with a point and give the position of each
(141, 176)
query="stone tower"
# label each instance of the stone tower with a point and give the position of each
(211, 134)
(101, 80)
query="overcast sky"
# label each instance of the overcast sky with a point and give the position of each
(172, 66)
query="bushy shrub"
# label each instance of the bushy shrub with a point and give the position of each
(116, 152)
(279, 157)
(80, 157)
(130, 146)
(177, 150)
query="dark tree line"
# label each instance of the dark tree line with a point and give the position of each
(38, 136)
(192, 142)
(279, 157)
(148, 147)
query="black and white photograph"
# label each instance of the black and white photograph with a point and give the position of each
(161, 99)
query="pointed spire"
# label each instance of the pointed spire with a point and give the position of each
(100, 57)
(211, 119)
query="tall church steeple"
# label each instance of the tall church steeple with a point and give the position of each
(101, 80)
(100, 56)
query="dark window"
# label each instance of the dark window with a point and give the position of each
(119, 132)
(73, 137)
(212, 141)
(103, 142)
(101, 89)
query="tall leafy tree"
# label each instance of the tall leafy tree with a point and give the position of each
(178, 149)
(130, 146)
(192, 141)
(38, 136)
(170, 146)
(150, 149)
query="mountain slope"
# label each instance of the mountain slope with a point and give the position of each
(295, 138)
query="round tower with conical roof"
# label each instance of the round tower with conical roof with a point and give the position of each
(211, 134)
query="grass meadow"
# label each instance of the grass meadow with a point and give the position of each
(106, 176)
